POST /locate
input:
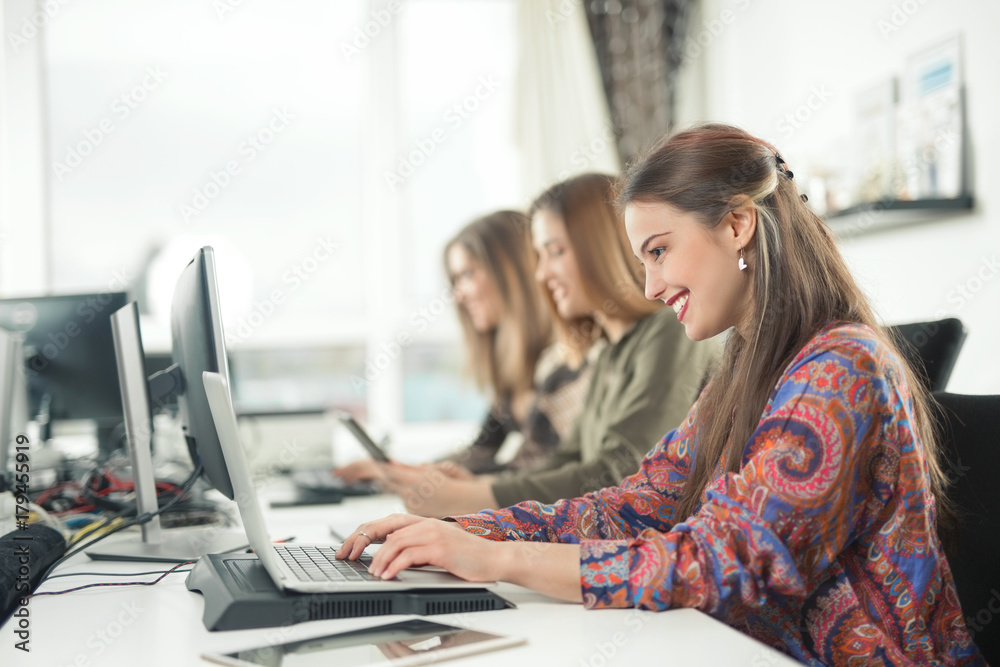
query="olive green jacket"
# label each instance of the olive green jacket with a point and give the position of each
(641, 389)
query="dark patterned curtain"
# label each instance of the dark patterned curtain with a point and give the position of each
(639, 45)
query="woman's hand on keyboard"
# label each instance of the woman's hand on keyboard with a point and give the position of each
(373, 532)
(410, 541)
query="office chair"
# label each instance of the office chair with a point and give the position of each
(970, 440)
(931, 348)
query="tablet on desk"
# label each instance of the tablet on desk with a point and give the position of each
(412, 641)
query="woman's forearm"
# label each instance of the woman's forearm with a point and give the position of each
(550, 568)
(461, 497)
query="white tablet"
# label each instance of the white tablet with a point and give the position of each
(412, 641)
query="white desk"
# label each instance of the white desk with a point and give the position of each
(161, 624)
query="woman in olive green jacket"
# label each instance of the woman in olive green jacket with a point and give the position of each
(643, 383)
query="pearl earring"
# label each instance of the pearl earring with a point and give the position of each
(742, 264)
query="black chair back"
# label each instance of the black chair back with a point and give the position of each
(971, 448)
(931, 348)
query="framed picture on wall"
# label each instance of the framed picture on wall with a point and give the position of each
(931, 132)
(876, 162)
(911, 146)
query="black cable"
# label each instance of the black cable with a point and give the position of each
(184, 488)
(114, 574)
(122, 583)
(141, 519)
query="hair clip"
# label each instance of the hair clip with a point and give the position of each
(780, 163)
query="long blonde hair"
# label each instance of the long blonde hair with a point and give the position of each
(503, 360)
(611, 277)
(800, 283)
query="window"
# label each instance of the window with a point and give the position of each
(177, 123)
(171, 126)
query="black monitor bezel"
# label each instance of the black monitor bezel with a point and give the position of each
(76, 380)
(198, 345)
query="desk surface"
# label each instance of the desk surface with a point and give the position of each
(161, 624)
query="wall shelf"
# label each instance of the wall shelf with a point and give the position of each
(884, 214)
(959, 203)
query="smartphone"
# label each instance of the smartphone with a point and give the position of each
(413, 641)
(362, 436)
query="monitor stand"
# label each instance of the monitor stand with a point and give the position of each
(175, 545)
(157, 543)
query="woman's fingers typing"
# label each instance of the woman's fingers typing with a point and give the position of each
(438, 543)
(371, 532)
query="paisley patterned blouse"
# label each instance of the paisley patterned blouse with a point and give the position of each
(822, 544)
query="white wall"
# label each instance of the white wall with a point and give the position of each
(766, 60)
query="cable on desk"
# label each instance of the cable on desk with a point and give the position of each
(97, 490)
(117, 583)
(114, 574)
(97, 527)
(141, 519)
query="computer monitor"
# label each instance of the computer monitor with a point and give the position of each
(198, 345)
(13, 397)
(69, 358)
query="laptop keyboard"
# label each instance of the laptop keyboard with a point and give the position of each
(320, 564)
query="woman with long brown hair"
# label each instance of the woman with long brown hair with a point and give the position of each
(535, 387)
(800, 498)
(644, 381)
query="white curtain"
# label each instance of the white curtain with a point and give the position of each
(561, 122)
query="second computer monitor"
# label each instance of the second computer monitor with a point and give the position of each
(69, 357)
(198, 345)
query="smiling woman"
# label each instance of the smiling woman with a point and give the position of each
(648, 374)
(536, 389)
(695, 254)
(584, 261)
(800, 499)
(644, 379)
(506, 325)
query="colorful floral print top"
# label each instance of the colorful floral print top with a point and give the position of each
(822, 544)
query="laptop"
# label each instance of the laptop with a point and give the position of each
(302, 568)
